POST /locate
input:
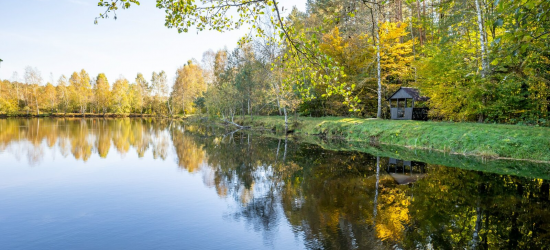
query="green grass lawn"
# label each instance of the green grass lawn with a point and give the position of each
(489, 140)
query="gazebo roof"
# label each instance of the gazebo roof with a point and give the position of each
(409, 93)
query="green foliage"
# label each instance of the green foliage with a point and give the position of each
(515, 87)
(484, 61)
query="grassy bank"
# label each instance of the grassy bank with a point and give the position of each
(488, 140)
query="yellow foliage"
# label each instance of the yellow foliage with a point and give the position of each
(395, 55)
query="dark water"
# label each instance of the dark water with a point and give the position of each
(150, 184)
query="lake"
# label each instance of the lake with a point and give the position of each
(161, 184)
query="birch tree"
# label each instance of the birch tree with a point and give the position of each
(484, 63)
(102, 93)
(144, 90)
(63, 93)
(33, 78)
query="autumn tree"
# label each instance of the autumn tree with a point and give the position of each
(102, 93)
(80, 83)
(135, 96)
(120, 100)
(50, 96)
(8, 97)
(189, 85)
(63, 90)
(142, 91)
(160, 91)
(33, 79)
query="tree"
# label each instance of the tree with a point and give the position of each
(33, 78)
(50, 95)
(63, 93)
(207, 14)
(217, 15)
(160, 92)
(120, 101)
(143, 90)
(80, 83)
(159, 84)
(189, 85)
(8, 97)
(136, 98)
(102, 93)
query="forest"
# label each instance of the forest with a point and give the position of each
(477, 60)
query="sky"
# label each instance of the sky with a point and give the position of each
(59, 37)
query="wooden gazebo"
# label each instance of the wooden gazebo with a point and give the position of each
(402, 105)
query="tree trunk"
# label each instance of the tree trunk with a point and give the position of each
(250, 110)
(36, 101)
(279, 106)
(484, 64)
(286, 119)
(182, 105)
(169, 108)
(399, 8)
(379, 111)
(242, 110)
(413, 48)
(17, 94)
(420, 37)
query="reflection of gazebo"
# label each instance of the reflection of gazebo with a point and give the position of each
(405, 172)
(402, 105)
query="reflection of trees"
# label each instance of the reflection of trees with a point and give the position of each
(330, 198)
(335, 200)
(457, 208)
(80, 138)
(190, 156)
(103, 142)
(81, 146)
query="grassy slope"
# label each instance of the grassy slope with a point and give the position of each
(504, 141)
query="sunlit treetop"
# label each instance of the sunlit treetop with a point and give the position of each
(219, 15)
(227, 15)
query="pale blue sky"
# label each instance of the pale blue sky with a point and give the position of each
(59, 36)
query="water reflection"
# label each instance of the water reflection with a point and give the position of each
(334, 200)
(405, 172)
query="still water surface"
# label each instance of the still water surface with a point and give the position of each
(156, 184)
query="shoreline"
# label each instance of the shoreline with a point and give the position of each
(492, 141)
(517, 167)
